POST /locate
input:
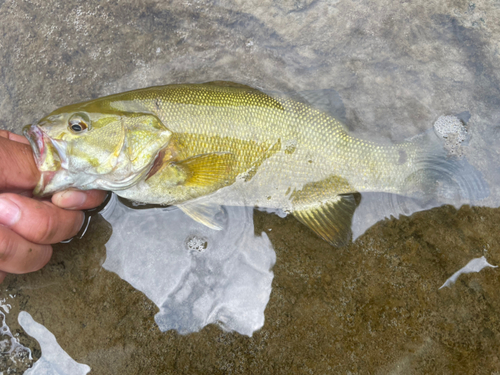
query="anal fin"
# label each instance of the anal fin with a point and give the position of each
(331, 219)
(327, 207)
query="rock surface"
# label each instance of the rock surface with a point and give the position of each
(371, 307)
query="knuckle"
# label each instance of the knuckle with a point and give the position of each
(57, 225)
(10, 196)
(47, 229)
(3, 178)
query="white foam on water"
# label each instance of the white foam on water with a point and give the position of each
(475, 265)
(194, 274)
(4, 305)
(54, 360)
(447, 126)
(453, 131)
(10, 345)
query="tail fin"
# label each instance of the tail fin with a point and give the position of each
(444, 178)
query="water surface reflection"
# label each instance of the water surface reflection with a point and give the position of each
(194, 274)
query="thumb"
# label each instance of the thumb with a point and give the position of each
(79, 200)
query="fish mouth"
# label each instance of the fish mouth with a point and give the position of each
(35, 138)
(50, 158)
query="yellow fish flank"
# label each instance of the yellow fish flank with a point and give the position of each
(200, 146)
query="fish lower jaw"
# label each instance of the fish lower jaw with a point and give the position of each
(44, 181)
(115, 183)
(51, 182)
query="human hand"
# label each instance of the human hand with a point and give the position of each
(28, 226)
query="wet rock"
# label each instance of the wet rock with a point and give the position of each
(371, 307)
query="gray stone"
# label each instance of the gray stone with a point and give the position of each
(371, 307)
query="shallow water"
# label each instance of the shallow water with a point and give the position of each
(195, 275)
(372, 307)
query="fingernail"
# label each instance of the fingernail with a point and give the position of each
(9, 212)
(69, 199)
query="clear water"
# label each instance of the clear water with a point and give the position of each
(372, 307)
(194, 274)
(54, 360)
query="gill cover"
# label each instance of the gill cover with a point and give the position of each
(119, 150)
(146, 136)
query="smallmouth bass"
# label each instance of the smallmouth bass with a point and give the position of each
(200, 146)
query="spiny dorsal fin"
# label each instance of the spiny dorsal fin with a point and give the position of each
(205, 213)
(231, 85)
(241, 95)
(331, 220)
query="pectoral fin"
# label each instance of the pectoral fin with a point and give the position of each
(205, 213)
(193, 177)
(208, 172)
(207, 169)
(331, 219)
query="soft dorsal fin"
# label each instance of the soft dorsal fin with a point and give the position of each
(332, 219)
(205, 213)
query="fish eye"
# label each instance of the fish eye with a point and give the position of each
(78, 123)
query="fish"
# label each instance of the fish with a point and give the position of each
(202, 146)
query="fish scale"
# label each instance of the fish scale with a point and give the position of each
(319, 137)
(200, 146)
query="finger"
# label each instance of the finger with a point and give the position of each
(38, 221)
(18, 171)
(79, 200)
(13, 137)
(18, 255)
